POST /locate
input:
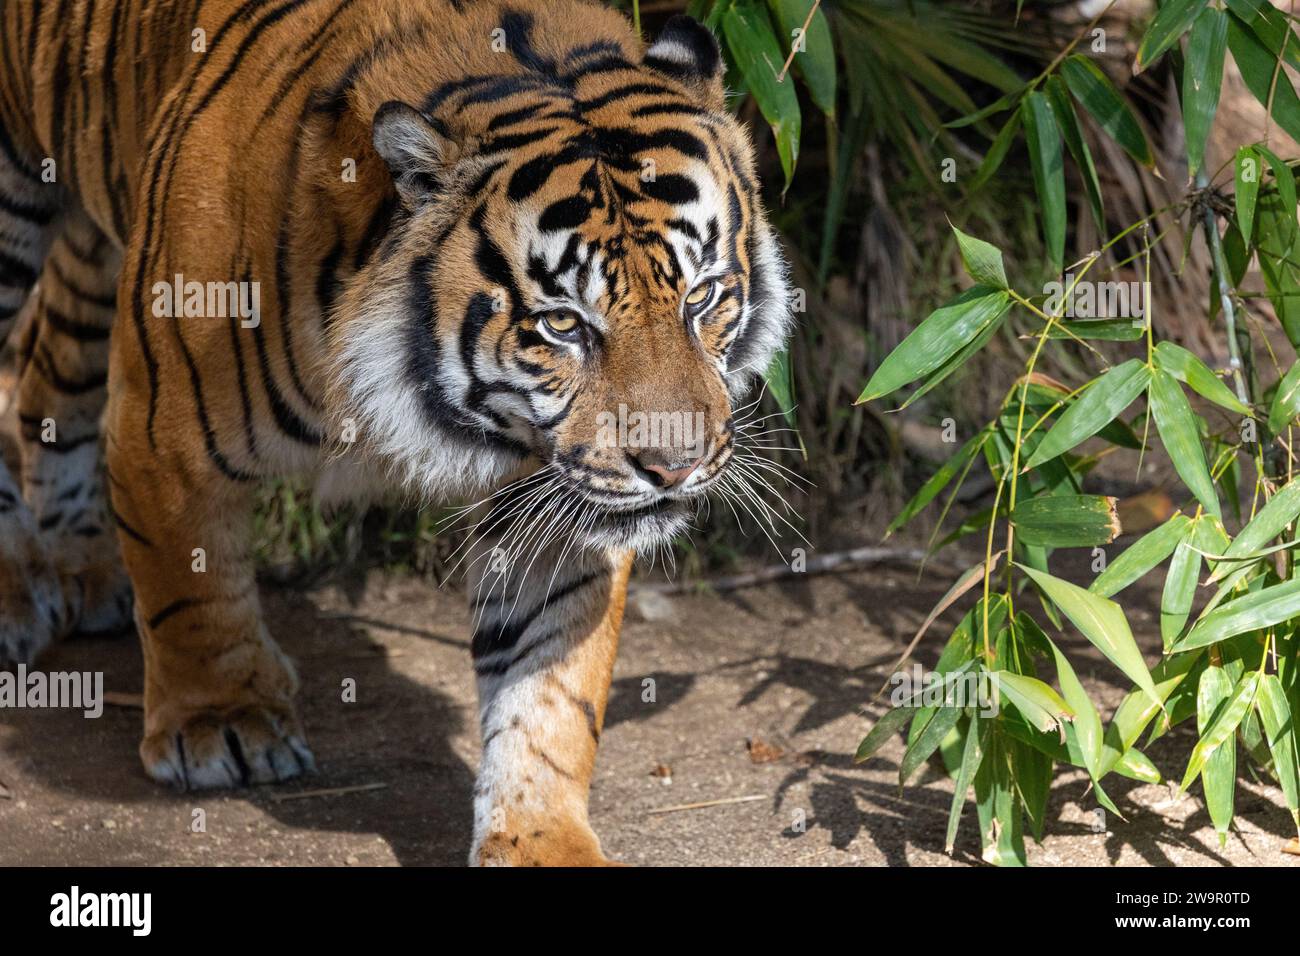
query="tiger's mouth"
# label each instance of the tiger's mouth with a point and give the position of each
(639, 528)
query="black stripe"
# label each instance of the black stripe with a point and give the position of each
(172, 609)
(518, 28)
(69, 386)
(66, 325)
(245, 399)
(507, 635)
(209, 436)
(16, 273)
(126, 528)
(103, 300)
(285, 417)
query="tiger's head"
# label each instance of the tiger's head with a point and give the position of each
(579, 272)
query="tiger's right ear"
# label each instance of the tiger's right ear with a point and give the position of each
(417, 153)
(687, 51)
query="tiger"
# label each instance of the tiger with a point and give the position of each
(419, 247)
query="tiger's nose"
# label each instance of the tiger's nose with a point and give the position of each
(660, 469)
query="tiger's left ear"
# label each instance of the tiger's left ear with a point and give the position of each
(688, 52)
(417, 153)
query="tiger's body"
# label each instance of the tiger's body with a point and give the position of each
(469, 229)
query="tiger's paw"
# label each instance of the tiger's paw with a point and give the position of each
(208, 750)
(33, 609)
(97, 588)
(566, 844)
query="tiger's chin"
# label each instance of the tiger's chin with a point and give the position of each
(639, 529)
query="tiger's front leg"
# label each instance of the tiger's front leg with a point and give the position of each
(543, 657)
(218, 695)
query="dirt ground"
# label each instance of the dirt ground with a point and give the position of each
(788, 667)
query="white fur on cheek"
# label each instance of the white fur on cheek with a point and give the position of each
(383, 408)
(768, 320)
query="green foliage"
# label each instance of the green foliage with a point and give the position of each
(1231, 665)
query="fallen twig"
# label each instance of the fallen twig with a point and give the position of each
(327, 792)
(706, 803)
(821, 564)
(117, 698)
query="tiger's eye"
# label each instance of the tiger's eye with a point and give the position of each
(561, 323)
(700, 293)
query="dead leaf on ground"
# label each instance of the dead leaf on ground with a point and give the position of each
(760, 751)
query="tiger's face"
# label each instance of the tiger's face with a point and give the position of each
(587, 281)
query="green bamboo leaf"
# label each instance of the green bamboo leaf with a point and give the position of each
(1044, 141)
(1286, 401)
(1270, 25)
(1141, 556)
(1247, 171)
(1098, 96)
(935, 39)
(889, 723)
(939, 480)
(1274, 241)
(1004, 102)
(1087, 723)
(780, 382)
(815, 63)
(1102, 330)
(944, 719)
(1284, 178)
(1280, 510)
(1176, 423)
(972, 754)
(957, 361)
(1209, 537)
(998, 806)
(958, 651)
(1220, 771)
(997, 152)
(1102, 622)
(1066, 521)
(1107, 396)
(1031, 774)
(1172, 20)
(983, 261)
(1196, 375)
(1251, 612)
(904, 709)
(1279, 727)
(1036, 701)
(1179, 592)
(757, 55)
(1221, 728)
(1063, 109)
(942, 334)
(1138, 709)
(1136, 765)
(1236, 254)
(1258, 66)
(1203, 81)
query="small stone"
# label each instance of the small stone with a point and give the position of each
(352, 859)
(652, 607)
(109, 824)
